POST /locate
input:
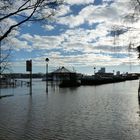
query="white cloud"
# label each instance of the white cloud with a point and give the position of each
(77, 2)
(90, 50)
(90, 14)
(71, 20)
(18, 45)
(26, 36)
(43, 42)
(5, 25)
(63, 10)
(85, 46)
(48, 27)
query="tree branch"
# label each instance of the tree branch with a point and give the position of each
(36, 7)
(23, 5)
(20, 10)
(13, 26)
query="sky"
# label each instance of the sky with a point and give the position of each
(79, 38)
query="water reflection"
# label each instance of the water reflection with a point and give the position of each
(139, 106)
(106, 112)
(28, 119)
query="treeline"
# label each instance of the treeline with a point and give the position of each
(23, 75)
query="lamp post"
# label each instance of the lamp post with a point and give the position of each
(113, 72)
(29, 68)
(94, 70)
(47, 60)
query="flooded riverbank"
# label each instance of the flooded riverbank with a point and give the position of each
(105, 112)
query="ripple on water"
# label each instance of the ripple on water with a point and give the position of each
(107, 112)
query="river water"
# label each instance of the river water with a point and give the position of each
(105, 112)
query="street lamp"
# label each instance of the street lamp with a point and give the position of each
(94, 70)
(47, 60)
(113, 72)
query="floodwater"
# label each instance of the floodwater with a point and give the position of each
(105, 112)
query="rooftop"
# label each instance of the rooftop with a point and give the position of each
(62, 70)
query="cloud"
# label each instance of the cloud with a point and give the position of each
(27, 37)
(91, 14)
(5, 25)
(79, 2)
(43, 42)
(113, 14)
(48, 27)
(80, 47)
(76, 44)
(71, 20)
(63, 10)
(18, 44)
(85, 45)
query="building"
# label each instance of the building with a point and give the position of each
(102, 73)
(118, 73)
(62, 73)
(102, 70)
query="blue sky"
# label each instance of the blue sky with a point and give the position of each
(78, 37)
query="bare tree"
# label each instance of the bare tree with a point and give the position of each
(14, 13)
(5, 60)
(18, 12)
(137, 9)
(132, 17)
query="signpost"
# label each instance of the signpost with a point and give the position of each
(47, 60)
(29, 68)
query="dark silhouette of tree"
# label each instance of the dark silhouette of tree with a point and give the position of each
(132, 17)
(138, 11)
(5, 64)
(14, 13)
(21, 11)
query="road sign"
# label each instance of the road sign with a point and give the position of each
(29, 65)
